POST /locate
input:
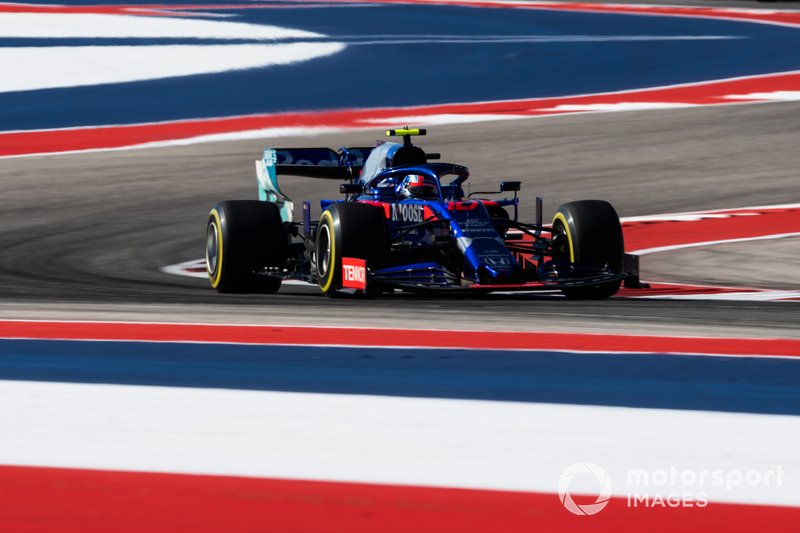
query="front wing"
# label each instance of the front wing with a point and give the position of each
(432, 277)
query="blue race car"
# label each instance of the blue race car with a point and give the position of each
(405, 223)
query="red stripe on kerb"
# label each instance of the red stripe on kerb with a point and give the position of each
(395, 338)
(86, 501)
(722, 225)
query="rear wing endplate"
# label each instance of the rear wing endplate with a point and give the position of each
(307, 162)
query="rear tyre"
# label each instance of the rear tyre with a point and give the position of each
(242, 238)
(588, 232)
(348, 230)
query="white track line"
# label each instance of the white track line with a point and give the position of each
(689, 216)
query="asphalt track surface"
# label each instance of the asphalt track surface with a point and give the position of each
(84, 235)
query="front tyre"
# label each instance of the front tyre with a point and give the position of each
(500, 218)
(243, 237)
(348, 229)
(588, 233)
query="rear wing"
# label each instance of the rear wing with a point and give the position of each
(346, 164)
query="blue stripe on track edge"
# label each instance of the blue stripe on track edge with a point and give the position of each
(733, 384)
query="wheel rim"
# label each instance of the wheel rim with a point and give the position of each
(212, 248)
(560, 242)
(323, 251)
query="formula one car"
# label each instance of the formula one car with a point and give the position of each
(405, 223)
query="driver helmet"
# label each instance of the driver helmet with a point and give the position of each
(418, 186)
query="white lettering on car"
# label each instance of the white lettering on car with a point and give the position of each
(354, 273)
(407, 213)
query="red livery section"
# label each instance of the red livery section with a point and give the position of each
(87, 501)
(462, 206)
(159, 332)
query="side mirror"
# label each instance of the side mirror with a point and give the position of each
(351, 188)
(510, 186)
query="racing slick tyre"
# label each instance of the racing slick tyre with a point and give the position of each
(348, 229)
(242, 238)
(588, 232)
(500, 218)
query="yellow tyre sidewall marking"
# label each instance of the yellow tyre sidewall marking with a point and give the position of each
(560, 218)
(330, 274)
(218, 226)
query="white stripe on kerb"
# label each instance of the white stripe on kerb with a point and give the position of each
(390, 440)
